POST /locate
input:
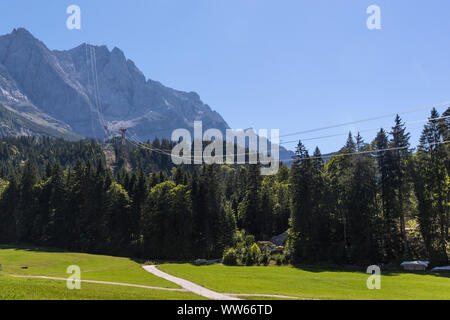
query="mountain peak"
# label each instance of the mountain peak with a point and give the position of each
(22, 38)
(118, 53)
(22, 32)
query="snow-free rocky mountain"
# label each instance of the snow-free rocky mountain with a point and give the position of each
(89, 87)
(88, 91)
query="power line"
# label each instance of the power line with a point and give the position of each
(366, 120)
(139, 144)
(294, 158)
(89, 82)
(96, 89)
(365, 130)
(368, 151)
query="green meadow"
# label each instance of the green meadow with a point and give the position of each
(45, 262)
(303, 283)
(312, 283)
(43, 289)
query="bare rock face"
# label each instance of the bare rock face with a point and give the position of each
(88, 88)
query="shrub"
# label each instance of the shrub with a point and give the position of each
(254, 249)
(280, 259)
(264, 258)
(285, 259)
(248, 258)
(230, 257)
(245, 252)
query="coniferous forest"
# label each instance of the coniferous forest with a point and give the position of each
(372, 202)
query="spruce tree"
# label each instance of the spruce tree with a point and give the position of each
(400, 156)
(27, 202)
(431, 187)
(391, 230)
(300, 233)
(250, 211)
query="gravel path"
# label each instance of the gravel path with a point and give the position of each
(266, 296)
(190, 286)
(185, 284)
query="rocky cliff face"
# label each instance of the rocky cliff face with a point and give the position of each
(92, 91)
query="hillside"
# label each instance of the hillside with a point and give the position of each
(13, 123)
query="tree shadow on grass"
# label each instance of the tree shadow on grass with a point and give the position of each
(159, 261)
(33, 248)
(30, 248)
(309, 268)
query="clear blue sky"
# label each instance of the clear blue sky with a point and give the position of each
(289, 64)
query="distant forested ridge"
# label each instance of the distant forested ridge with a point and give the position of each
(370, 203)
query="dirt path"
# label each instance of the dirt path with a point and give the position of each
(190, 286)
(102, 282)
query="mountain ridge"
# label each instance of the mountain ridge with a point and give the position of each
(93, 87)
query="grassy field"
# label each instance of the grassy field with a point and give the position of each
(42, 289)
(303, 283)
(44, 262)
(312, 283)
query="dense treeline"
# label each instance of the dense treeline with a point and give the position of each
(14, 151)
(41, 151)
(370, 203)
(143, 158)
(361, 205)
